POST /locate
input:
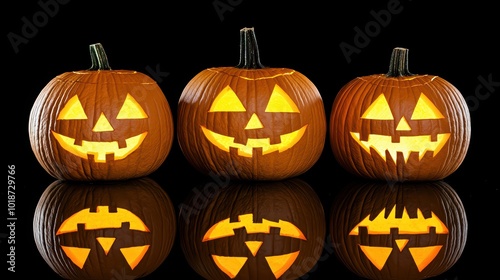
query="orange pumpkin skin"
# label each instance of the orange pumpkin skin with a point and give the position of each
(136, 216)
(400, 126)
(251, 138)
(79, 127)
(392, 231)
(219, 224)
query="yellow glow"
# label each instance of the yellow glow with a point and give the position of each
(73, 110)
(377, 255)
(227, 101)
(106, 243)
(231, 266)
(403, 125)
(131, 109)
(425, 110)
(100, 149)
(254, 123)
(423, 256)
(224, 142)
(281, 263)
(102, 124)
(405, 224)
(407, 144)
(281, 102)
(253, 246)
(100, 219)
(225, 228)
(401, 243)
(378, 110)
(77, 255)
(134, 255)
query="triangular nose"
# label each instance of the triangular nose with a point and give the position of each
(102, 124)
(403, 125)
(106, 243)
(254, 122)
(253, 246)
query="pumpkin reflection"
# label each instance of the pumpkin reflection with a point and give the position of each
(398, 230)
(252, 230)
(104, 230)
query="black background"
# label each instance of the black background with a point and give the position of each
(457, 41)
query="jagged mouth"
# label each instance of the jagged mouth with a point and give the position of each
(99, 149)
(420, 144)
(224, 142)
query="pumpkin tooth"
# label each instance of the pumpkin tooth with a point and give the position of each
(420, 144)
(225, 143)
(100, 150)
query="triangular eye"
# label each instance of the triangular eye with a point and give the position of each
(378, 110)
(231, 266)
(377, 255)
(425, 110)
(73, 110)
(281, 263)
(131, 109)
(281, 102)
(227, 101)
(77, 255)
(424, 255)
(134, 255)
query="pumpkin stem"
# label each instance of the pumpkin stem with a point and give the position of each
(398, 66)
(98, 57)
(249, 50)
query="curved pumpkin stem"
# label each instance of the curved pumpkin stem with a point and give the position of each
(249, 50)
(98, 57)
(398, 66)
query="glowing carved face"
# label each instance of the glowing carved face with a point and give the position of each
(279, 102)
(231, 265)
(73, 110)
(380, 110)
(103, 219)
(422, 256)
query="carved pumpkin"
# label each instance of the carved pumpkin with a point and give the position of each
(253, 230)
(101, 124)
(398, 231)
(104, 230)
(400, 126)
(251, 121)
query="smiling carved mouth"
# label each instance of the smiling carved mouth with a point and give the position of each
(224, 142)
(406, 145)
(100, 149)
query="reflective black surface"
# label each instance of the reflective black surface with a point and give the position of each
(174, 41)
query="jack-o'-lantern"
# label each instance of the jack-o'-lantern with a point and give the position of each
(251, 121)
(104, 230)
(400, 126)
(412, 230)
(101, 124)
(253, 230)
